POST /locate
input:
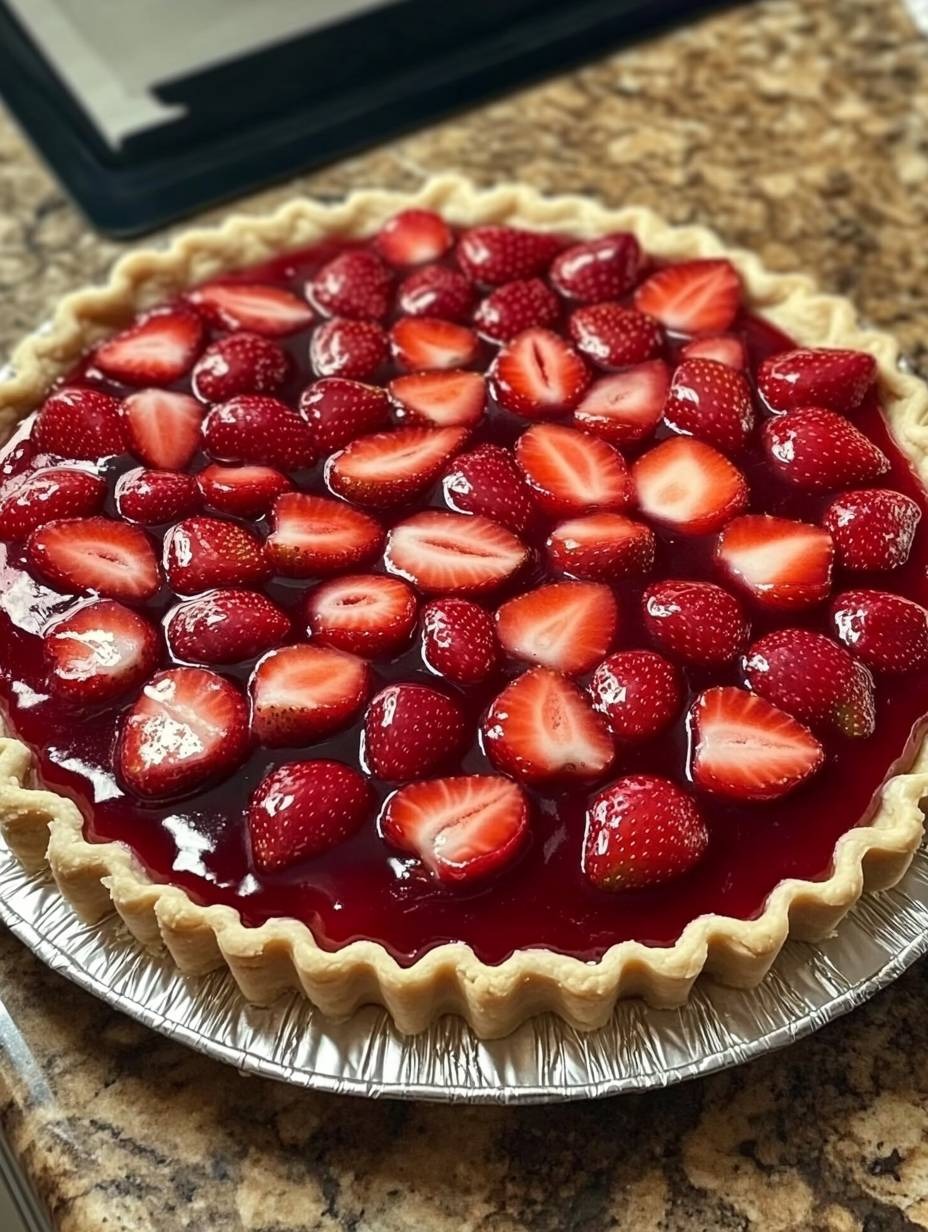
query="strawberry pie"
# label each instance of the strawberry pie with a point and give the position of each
(469, 603)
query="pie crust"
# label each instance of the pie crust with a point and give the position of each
(43, 828)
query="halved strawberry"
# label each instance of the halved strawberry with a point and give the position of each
(338, 410)
(453, 553)
(428, 343)
(163, 427)
(259, 429)
(80, 423)
(354, 284)
(744, 747)
(781, 563)
(440, 399)
(887, 632)
(538, 375)
(543, 727)
(366, 614)
(816, 448)
(413, 236)
(602, 547)
(516, 306)
(568, 626)
(694, 297)
(571, 471)
(459, 640)
(98, 652)
(613, 336)
(436, 291)
(312, 535)
(488, 482)
(711, 401)
(353, 349)
(816, 376)
(410, 730)
(254, 306)
(689, 486)
(598, 270)
(697, 622)
(389, 468)
(157, 349)
(642, 831)
(494, 255)
(301, 693)
(304, 808)
(242, 491)
(32, 498)
(461, 828)
(187, 727)
(639, 692)
(202, 553)
(873, 528)
(112, 558)
(153, 497)
(240, 364)
(725, 349)
(225, 626)
(625, 407)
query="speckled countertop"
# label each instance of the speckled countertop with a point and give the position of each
(798, 128)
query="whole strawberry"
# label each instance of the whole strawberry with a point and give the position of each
(338, 410)
(33, 498)
(697, 622)
(600, 269)
(240, 364)
(887, 632)
(354, 284)
(410, 730)
(613, 336)
(816, 376)
(459, 640)
(494, 255)
(255, 428)
(304, 808)
(436, 291)
(80, 423)
(487, 481)
(872, 528)
(344, 347)
(712, 401)
(516, 306)
(639, 692)
(817, 448)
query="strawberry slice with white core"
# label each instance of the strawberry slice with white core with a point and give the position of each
(412, 237)
(112, 558)
(428, 343)
(271, 311)
(31, 499)
(225, 626)
(602, 547)
(302, 693)
(312, 535)
(304, 808)
(625, 407)
(439, 399)
(157, 349)
(543, 727)
(689, 486)
(572, 472)
(725, 349)
(781, 563)
(389, 468)
(243, 491)
(451, 553)
(366, 614)
(538, 375)
(461, 828)
(568, 626)
(746, 748)
(99, 651)
(163, 427)
(187, 727)
(694, 297)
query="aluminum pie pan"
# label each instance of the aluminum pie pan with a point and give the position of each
(544, 1061)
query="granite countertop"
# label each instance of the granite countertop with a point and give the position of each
(798, 128)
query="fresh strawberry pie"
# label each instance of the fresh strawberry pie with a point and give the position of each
(464, 610)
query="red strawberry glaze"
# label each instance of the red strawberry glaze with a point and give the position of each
(364, 888)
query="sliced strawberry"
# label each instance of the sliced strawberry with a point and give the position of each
(300, 694)
(642, 831)
(440, 399)
(240, 364)
(613, 336)
(187, 727)
(436, 291)
(355, 284)
(253, 306)
(813, 679)
(782, 564)
(602, 547)
(312, 535)
(816, 376)
(98, 652)
(353, 349)
(711, 401)
(461, 828)
(80, 423)
(242, 491)
(725, 349)
(517, 306)
(887, 632)
(338, 410)
(163, 427)
(689, 486)
(413, 236)
(639, 692)
(365, 613)
(95, 554)
(225, 626)
(389, 468)
(538, 375)
(697, 622)
(157, 349)
(567, 626)
(694, 297)
(625, 407)
(153, 497)
(452, 553)
(488, 482)
(428, 343)
(459, 640)
(873, 529)
(203, 553)
(259, 429)
(543, 727)
(32, 498)
(600, 269)
(816, 448)
(410, 730)
(570, 471)
(304, 808)
(494, 255)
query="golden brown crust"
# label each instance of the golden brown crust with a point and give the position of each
(40, 825)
